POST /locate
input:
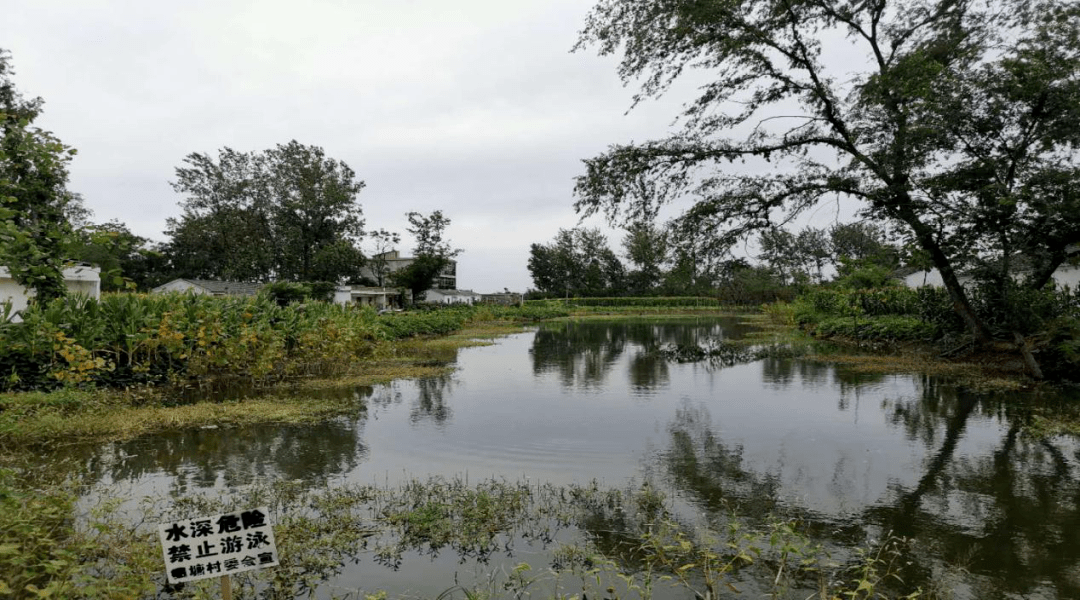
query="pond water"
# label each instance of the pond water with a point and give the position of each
(851, 455)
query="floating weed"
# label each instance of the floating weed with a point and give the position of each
(725, 353)
(319, 529)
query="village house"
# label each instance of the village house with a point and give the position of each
(209, 287)
(441, 296)
(78, 279)
(394, 262)
(376, 297)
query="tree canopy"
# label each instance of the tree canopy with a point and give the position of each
(954, 122)
(434, 255)
(578, 263)
(288, 213)
(33, 193)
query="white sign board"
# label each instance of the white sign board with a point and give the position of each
(203, 547)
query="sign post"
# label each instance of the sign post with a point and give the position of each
(218, 546)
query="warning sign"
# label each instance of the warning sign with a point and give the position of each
(204, 547)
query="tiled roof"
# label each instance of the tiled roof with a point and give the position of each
(232, 288)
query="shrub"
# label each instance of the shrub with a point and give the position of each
(888, 328)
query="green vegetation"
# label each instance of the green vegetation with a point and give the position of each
(125, 339)
(886, 314)
(33, 192)
(957, 134)
(603, 542)
(131, 339)
(46, 553)
(1046, 322)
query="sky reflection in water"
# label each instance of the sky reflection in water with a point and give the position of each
(850, 454)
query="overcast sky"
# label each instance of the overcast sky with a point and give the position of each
(474, 107)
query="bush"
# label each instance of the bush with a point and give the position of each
(429, 320)
(887, 314)
(1017, 309)
(888, 328)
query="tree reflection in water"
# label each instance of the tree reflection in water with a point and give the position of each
(583, 354)
(430, 403)
(235, 456)
(1008, 515)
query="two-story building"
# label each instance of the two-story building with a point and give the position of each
(381, 267)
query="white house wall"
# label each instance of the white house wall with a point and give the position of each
(1067, 275)
(13, 293)
(77, 280)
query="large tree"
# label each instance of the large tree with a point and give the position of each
(647, 248)
(578, 262)
(318, 221)
(288, 213)
(955, 122)
(34, 230)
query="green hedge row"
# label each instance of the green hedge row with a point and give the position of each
(648, 301)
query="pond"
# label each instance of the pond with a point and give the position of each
(852, 456)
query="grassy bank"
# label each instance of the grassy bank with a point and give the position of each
(33, 421)
(919, 325)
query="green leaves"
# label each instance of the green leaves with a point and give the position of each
(33, 179)
(288, 213)
(959, 132)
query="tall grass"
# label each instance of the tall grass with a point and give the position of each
(128, 339)
(125, 339)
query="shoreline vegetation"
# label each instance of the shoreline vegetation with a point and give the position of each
(625, 544)
(46, 545)
(82, 371)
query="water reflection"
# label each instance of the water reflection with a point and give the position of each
(209, 458)
(850, 454)
(228, 457)
(1005, 512)
(714, 473)
(584, 354)
(783, 373)
(431, 400)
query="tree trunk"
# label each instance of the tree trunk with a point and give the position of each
(1029, 359)
(961, 305)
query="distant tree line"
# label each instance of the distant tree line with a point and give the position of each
(662, 260)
